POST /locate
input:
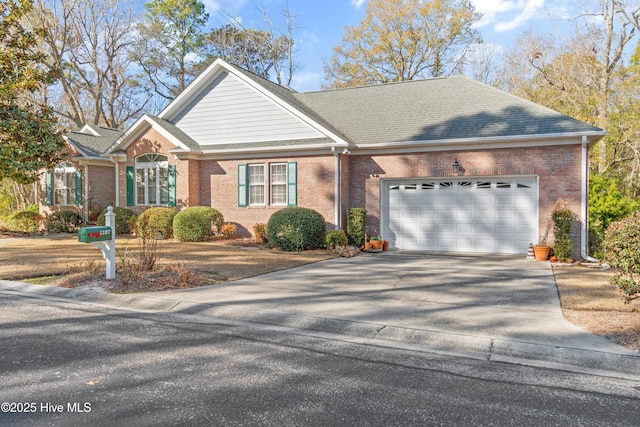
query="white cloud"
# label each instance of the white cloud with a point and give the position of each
(506, 15)
(530, 9)
(358, 3)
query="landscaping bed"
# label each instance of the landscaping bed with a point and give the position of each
(588, 300)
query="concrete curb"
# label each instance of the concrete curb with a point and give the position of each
(620, 365)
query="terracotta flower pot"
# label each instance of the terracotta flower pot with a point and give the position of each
(376, 245)
(541, 253)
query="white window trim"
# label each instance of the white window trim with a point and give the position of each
(284, 183)
(251, 185)
(66, 169)
(158, 166)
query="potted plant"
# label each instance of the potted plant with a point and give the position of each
(541, 250)
(376, 244)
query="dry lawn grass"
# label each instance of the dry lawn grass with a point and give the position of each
(591, 302)
(213, 261)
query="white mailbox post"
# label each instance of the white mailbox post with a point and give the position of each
(103, 238)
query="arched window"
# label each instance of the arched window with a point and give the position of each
(65, 183)
(152, 186)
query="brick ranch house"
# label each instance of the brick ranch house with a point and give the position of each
(444, 164)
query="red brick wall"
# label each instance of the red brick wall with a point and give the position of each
(558, 168)
(102, 187)
(219, 189)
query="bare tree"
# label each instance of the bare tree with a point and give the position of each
(484, 62)
(262, 50)
(89, 41)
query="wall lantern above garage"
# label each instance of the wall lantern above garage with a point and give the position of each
(457, 167)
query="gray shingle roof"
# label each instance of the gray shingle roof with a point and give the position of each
(435, 109)
(176, 132)
(90, 144)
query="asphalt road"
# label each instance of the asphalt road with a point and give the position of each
(67, 364)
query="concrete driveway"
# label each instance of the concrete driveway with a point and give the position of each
(497, 308)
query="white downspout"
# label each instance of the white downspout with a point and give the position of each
(336, 217)
(584, 209)
(86, 193)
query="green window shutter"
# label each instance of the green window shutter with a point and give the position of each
(292, 184)
(171, 182)
(78, 187)
(131, 180)
(48, 187)
(242, 185)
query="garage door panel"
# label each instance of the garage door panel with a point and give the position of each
(482, 215)
(486, 200)
(464, 228)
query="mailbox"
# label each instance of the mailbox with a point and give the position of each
(94, 234)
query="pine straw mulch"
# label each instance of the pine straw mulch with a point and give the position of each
(591, 302)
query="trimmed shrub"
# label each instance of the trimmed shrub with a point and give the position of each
(156, 223)
(124, 217)
(229, 230)
(216, 218)
(26, 221)
(296, 229)
(196, 224)
(336, 238)
(562, 226)
(622, 251)
(356, 221)
(65, 221)
(260, 231)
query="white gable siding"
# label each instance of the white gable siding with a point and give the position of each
(228, 111)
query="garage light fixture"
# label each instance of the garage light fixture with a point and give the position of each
(457, 167)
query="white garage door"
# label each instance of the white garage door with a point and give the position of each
(497, 215)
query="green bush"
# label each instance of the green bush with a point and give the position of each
(622, 251)
(65, 221)
(196, 224)
(562, 226)
(216, 218)
(606, 205)
(296, 229)
(26, 221)
(156, 223)
(336, 238)
(124, 218)
(356, 221)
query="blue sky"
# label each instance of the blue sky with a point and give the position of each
(322, 22)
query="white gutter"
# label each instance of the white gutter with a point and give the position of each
(584, 208)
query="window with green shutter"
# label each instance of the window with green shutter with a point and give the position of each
(48, 185)
(282, 186)
(292, 184)
(131, 180)
(171, 182)
(242, 185)
(78, 187)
